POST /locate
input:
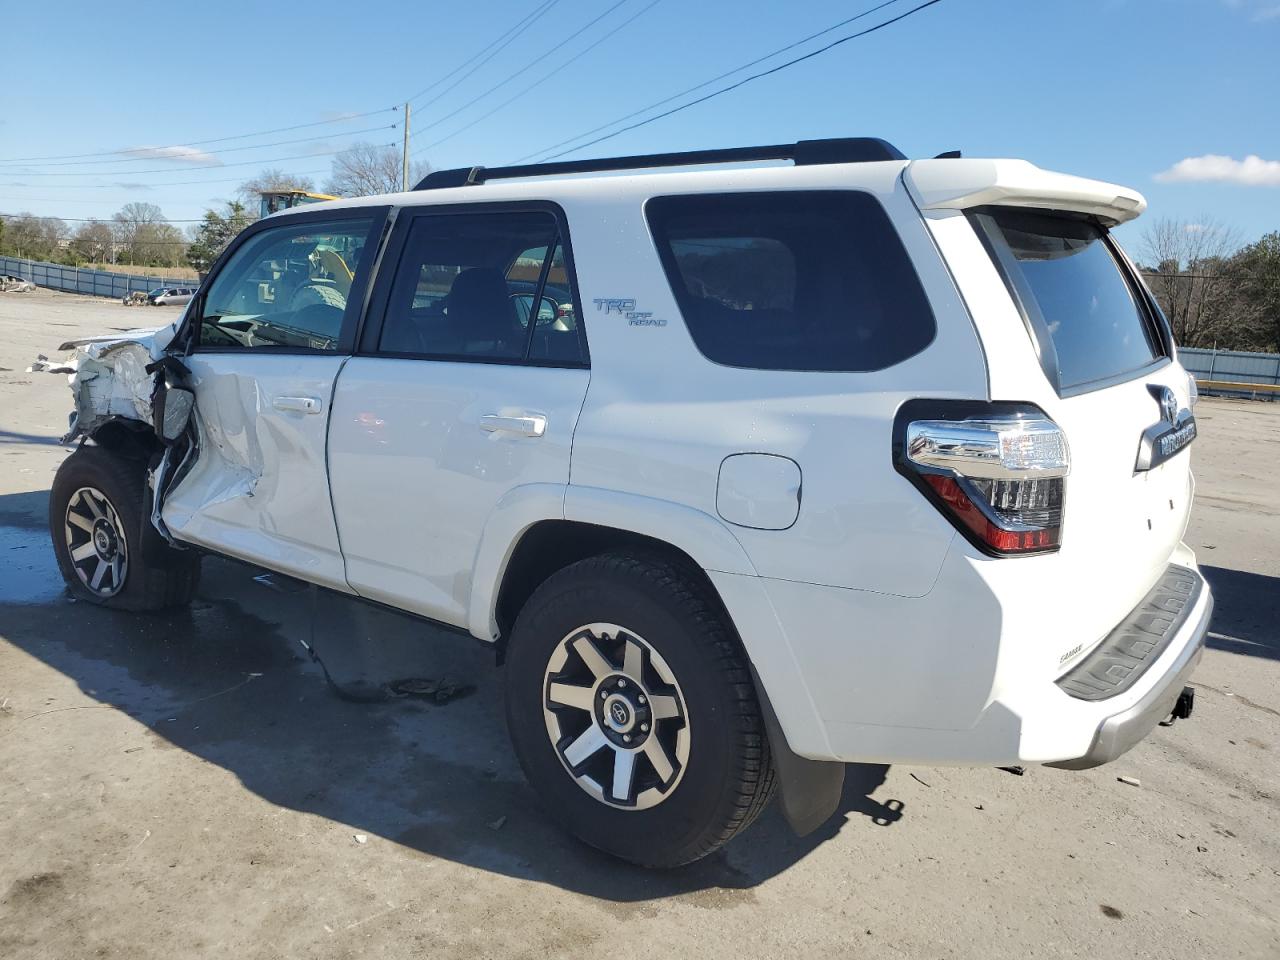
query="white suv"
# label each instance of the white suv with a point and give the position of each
(850, 459)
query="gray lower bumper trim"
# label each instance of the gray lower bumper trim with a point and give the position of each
(1138, 640)
(1120, 732)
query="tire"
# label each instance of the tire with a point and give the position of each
(99, 508)
(653, 812)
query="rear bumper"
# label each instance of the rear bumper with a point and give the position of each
(869, 678)
(1121, 731)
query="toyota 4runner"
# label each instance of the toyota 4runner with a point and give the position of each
(747, 468)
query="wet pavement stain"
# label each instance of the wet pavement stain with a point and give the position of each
(28, 570)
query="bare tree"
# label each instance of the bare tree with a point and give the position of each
(365, 169)
(1193, 275)
(39, 238)
(272, 179)
(93, 242)
(134, 225)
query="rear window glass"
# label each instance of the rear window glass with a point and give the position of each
(1075, 294)
(792, 281)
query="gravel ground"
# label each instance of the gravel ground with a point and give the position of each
(188, 785)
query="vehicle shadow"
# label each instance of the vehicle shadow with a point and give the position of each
(396, 735)
(10, 436)
(1246, 612)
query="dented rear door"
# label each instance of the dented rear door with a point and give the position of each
(274, 326)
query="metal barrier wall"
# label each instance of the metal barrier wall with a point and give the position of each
(1235, 366)
(97, 283)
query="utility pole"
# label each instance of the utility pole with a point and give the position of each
(404, 172)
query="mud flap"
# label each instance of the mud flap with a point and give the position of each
(810, 789)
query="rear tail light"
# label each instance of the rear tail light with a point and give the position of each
(996, 471)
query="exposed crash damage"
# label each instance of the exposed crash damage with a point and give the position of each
(134, 397)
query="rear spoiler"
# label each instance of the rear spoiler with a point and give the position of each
(954, 184)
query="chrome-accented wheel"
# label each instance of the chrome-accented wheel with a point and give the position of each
(96, 542)
(616, 716)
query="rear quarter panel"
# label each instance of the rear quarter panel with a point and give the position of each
(660, 418)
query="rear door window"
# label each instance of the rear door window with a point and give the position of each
(466, 287)
(1093, 325)
(815, 280)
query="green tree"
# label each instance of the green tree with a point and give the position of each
(211, 236)
(1258, 268)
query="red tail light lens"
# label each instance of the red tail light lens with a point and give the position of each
(996, 471)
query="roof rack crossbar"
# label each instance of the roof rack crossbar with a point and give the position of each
(801, 153)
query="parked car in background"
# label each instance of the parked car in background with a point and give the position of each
(171, 296)
(12, 284)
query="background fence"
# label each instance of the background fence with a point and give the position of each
(1235, 366)
(97, 283)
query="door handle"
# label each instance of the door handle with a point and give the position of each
(530, 426)
(297, 404)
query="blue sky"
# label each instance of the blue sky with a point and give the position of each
(1136, 91)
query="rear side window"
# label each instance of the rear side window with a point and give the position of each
(1074, 293)
(792, 280)
(466, 288)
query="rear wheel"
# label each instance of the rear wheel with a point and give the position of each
(633, 713)
(107, 550)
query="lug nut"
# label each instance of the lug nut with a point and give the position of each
(621, 683)
(603, 694)
(626, 737)
(644, 727)
(641, 698)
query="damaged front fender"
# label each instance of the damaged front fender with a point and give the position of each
(109, 379)
(124, 385)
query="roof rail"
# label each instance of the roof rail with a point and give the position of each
(801, 153)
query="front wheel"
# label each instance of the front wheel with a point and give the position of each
(632, 711)
(107, 550)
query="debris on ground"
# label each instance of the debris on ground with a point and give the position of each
(1131, 781)
(360, 838)
(918, 780)
(439, 691)
(1016, 771)
(498, 824)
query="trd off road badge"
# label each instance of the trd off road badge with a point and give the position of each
(626, 306)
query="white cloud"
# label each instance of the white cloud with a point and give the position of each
(1252, 171)
(1258, 10)
(185, 154)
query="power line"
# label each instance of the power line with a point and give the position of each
(255, 146)
(732, 86)
(497, 46)
(707, 83)
(537, 83)
(49, 200)
(211, 166)
(346, 118)
(172, 183)
(560, 42)
(108, 220)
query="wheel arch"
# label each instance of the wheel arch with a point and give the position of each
(538, 529)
